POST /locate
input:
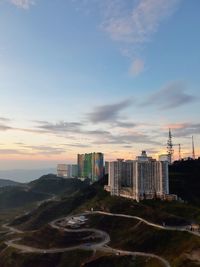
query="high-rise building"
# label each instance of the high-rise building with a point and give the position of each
(115, 176)
(90, 166)
(80, 163)
(72, 170)
(143, 178)
(67, 170)
(62, 170)
(97, 166)
(164, 157)
(150, 178)
(106, 167)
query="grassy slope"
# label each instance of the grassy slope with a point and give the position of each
(40, 189)
(185, 180)
(126, 261)
(95, 197)
(10, 258)
(15, 197)
(140, 237)
(51, 184)
(171, 213)
(170, 245)
(6, 182)
(52, 238)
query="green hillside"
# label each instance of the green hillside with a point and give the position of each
(125, 261)
(38, 190)
(15, 197)
(185, 180)
(128, 234)
(10, 258)
(6, 182)
(52, 184)
(94, 196)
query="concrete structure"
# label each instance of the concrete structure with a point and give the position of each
(171, 197)
(143, 178)
(67, 170)
(150, 178)
(163, 157)
(62, 170)
(90, 166)
(195, 227)
(76, 221)
(115, 176)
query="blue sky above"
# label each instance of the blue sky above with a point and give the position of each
(110, 75)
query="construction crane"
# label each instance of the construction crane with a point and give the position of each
(179, 150)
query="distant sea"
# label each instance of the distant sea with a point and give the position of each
(24, 176)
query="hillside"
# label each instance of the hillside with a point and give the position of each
(185, 180)
(128, 234)
(125, 233)
(10, 258)
(172, 213)
(25, 175)
(123, 261)
(38, 190)
(52, 184)
(5, 182)
(15, 197)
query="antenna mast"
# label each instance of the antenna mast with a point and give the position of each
(193, 151)
(170, 150)
(179, 151)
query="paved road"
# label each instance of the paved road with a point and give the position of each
(87, 246)
(168, 228)
(104, 236)
(11, 229)
(28, 249)
(102, 245)
(135, 253)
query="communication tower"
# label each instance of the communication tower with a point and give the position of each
(170, 150)
(193, 151)
(179, 151)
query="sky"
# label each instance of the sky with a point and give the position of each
(80, 76)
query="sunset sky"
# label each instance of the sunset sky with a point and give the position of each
(97, 75)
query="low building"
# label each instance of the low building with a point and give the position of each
(80, 218)
(195, 227)
(171, 197)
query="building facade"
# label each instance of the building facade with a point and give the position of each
(62, 170)
(143, 178)
(106, 167)
(67, 170)
(91, 166)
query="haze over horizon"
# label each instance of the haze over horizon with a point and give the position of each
(113, 76)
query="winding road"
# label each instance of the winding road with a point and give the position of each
(167, 228)
(100, 246)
